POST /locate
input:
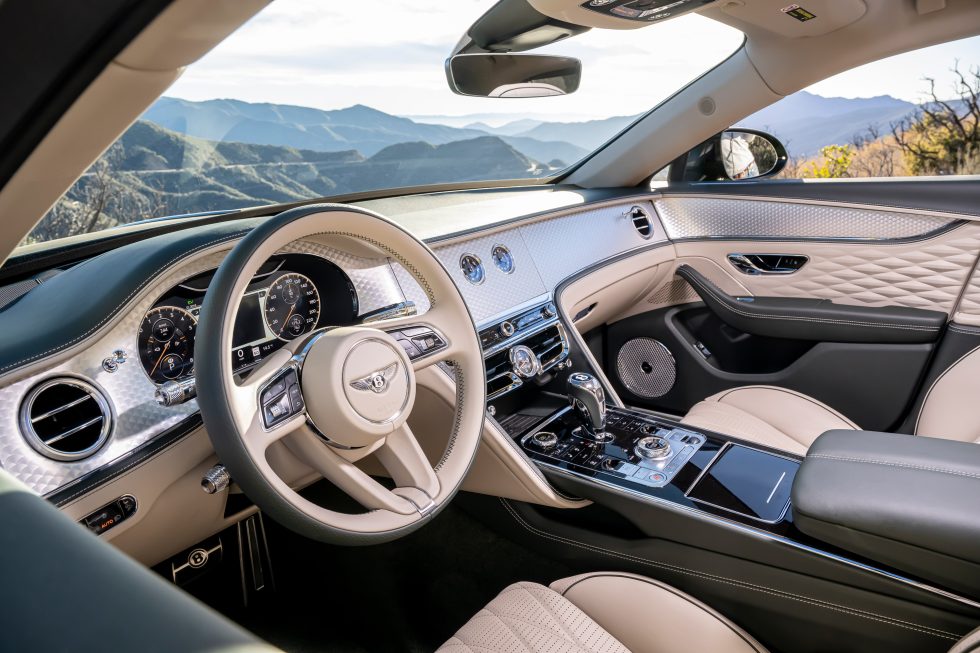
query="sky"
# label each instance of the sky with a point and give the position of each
(330, 55)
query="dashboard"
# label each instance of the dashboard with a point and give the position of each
(110, 359)
(290, 296)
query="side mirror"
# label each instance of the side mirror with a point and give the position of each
(734, 154)
(513, 75)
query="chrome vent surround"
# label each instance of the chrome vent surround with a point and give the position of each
(549, 344)
(641, 221)
(65, 419)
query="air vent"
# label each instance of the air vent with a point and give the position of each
(65, 419)
(550, 346)
(641, 221)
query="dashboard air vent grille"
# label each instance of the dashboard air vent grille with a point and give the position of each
(66, 419)
(550, 346)
(641, 221)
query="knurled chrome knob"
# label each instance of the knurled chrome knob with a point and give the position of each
(653, 447)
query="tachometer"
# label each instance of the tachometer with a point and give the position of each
(166, 343)
(292, 306)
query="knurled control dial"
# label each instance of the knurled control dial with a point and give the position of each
(545, 439)
(653, 447)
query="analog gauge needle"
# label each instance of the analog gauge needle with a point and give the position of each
(286, 321)
(162, 354)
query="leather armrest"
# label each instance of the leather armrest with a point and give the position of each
(907, 501)
(816, 319)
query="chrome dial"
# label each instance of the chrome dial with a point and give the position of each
(292, 306)
(472, 268)
(503, 259)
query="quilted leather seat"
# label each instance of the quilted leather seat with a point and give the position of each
(598, 613)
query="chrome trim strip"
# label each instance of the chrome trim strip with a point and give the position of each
(73, 431)
(35, 420)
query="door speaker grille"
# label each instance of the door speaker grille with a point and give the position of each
(646, 367)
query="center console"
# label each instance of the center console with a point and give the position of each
(544, 394)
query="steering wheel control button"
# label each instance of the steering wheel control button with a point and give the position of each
(111, 514)
(281, 398)
(418, 341)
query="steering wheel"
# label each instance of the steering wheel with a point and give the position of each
(348, 390)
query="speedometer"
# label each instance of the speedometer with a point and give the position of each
(292, 306)
(166, 343)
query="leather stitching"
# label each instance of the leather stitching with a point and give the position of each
(886, 463)
(798, 395)
(890, 621)
(676, 592)
(725, 304)
(126, 300)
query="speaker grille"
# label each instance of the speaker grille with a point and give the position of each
(646, 367)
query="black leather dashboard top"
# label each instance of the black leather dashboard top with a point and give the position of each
(70, 307)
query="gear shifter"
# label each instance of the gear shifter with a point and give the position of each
(586, 396)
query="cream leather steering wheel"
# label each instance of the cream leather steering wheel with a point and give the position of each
(357, 388)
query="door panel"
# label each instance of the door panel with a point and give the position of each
(872, 384)
(867, 256)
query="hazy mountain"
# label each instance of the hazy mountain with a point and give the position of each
(358, 127)
(588, 135)
(511, 128)
(805, 122)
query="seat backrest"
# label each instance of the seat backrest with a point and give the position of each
(951, 408)
(969, 644)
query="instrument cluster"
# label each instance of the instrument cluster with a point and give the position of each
(290, 296)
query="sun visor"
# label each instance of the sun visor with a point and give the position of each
(618, 14)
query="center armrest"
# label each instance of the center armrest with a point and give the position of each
(907, 501)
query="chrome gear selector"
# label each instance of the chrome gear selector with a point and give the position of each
(587, 397)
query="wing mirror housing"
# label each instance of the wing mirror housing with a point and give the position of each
(732, 155)
(513, 75)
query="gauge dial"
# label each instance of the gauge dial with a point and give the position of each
(503, 259)
(472, 268)
(292, 306)
(166, 343)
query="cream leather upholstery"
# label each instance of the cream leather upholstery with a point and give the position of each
(791, 421)
(776, 417)
(598, 613)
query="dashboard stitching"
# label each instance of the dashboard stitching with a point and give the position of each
(118, 308)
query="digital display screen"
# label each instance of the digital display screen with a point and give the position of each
(249, 324)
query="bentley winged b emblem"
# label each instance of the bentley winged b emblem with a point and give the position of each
(376, 381)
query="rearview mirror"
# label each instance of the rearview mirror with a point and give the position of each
(513, 75)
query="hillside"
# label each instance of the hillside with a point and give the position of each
(152, 171)
(805, 122)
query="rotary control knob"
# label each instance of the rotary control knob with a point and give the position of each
(506, 329)
(549, 310)
(653, 447)
(545, 440)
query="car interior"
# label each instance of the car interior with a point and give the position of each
(675, 389)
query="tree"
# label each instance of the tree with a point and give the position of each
(836, 163)
(942, 137)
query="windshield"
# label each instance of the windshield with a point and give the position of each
(313, 99)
